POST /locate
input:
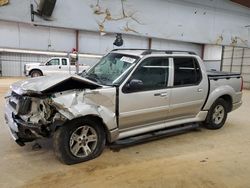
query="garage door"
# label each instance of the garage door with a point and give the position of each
(12, 64)
(237, 59)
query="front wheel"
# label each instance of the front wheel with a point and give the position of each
(36, 73)
(217, 115)
(79, 140)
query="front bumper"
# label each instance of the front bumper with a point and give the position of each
(26, 72)
(20, 131)
(10, 122)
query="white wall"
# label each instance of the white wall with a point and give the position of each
(174, 45)
(198, 21)
(212, 57)
(93, 42)
(25, 36)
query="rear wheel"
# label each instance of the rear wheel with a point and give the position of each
(217, 114)
(36, 73)
(79, 140)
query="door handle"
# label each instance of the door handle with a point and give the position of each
(161, 94)
(199, 89)
(60, 67)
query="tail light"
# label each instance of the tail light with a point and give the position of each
(241, 87)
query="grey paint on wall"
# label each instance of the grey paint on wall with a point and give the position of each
(25, 36)
(209, 22)
(93, 42)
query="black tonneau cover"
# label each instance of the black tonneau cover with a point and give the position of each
(218, 74)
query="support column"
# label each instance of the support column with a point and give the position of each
(222, 57)
(232, 59)
(149, 43)
(242, 59)
(77, 40)
(77, 50)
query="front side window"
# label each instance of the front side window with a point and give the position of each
(153, 73)
(53, 62)
(186, 71)
(110, 68)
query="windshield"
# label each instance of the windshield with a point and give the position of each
(111, 68)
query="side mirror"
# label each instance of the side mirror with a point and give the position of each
(134, 85)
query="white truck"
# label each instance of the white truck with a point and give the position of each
(55, 65)
(130, 92)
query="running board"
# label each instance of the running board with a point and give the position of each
(130, 141)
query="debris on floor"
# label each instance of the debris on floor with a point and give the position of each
(36, 147)
(204, 160)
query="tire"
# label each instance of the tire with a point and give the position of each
(217, 114)
(72, 141)
(36, 73)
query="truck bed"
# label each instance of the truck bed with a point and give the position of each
(223, 81)
(219, 74)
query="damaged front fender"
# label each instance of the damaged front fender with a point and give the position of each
(77, 103)
(47, 106)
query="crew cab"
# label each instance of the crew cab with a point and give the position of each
(129, 92)
(55, 65)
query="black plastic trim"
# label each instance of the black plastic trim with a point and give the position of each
(150, 51)
(208, 92)
(117, 106)
(223, 77)
(118, 49)
(154, 135)
(168, 52)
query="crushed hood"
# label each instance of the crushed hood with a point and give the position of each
(52, 84)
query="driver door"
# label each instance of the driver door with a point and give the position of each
(148, 103)
(53, 66)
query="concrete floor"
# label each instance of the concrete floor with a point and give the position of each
(202, 159)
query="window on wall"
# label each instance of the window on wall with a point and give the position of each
(64, 61)
(153, 72)
(186, 71)
(53, 62)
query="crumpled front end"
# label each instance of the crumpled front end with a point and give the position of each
(38, 115)
(28, 118)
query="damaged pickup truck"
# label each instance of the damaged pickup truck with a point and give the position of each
(129, 92)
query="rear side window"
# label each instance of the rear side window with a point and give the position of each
(186, 71)
(64, 61)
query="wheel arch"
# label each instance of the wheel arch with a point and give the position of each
(228, 99)
(96, 118)
(100, 121)
(35, 70)
(224, 92)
